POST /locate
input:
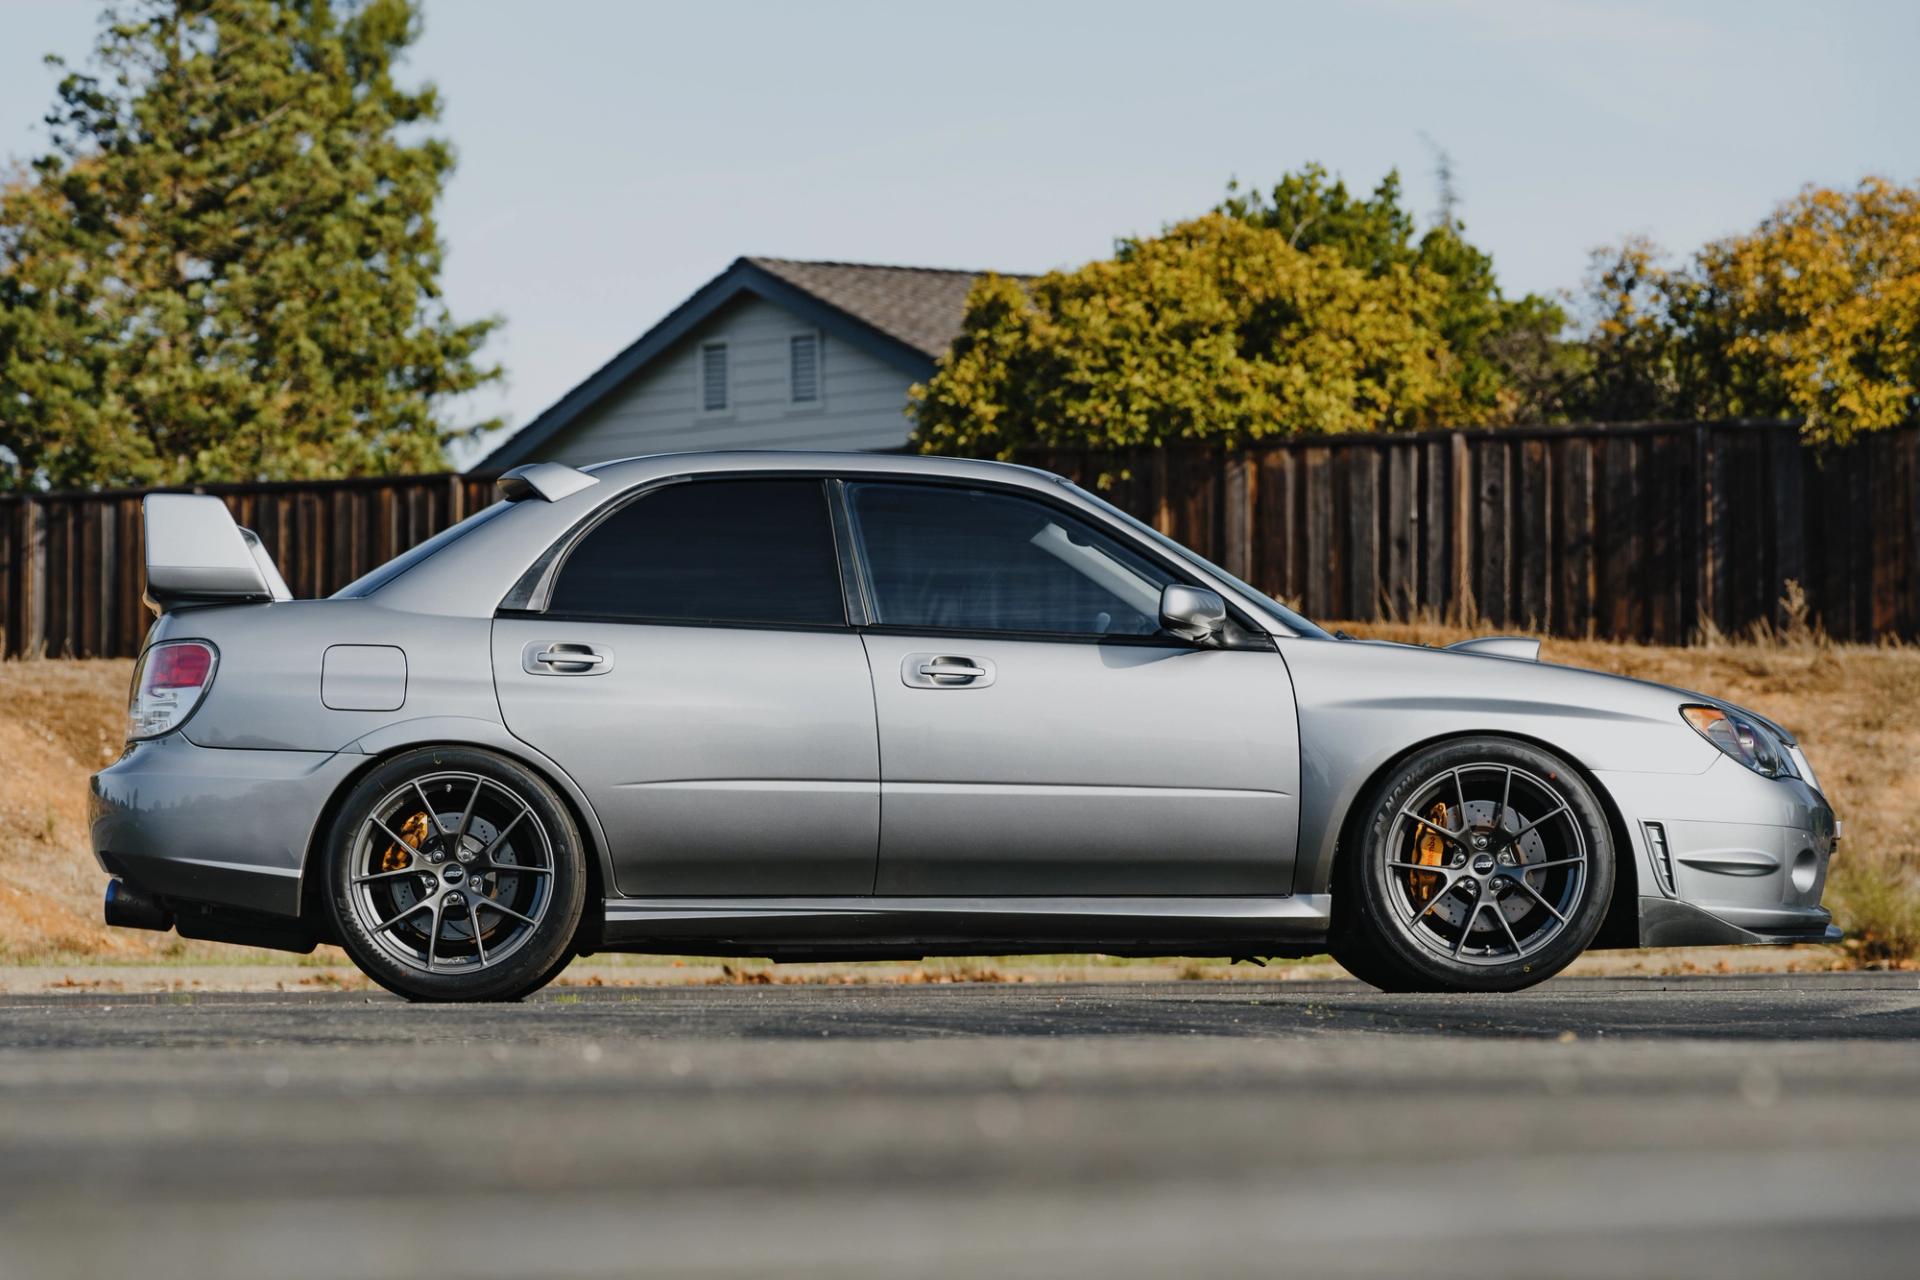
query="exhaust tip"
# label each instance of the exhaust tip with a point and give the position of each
(129, 908)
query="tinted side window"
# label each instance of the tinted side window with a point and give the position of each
(974, 560)
(740, 551)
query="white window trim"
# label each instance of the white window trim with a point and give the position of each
(819, 400)
(700, 378)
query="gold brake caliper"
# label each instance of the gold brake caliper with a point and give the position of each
(413, 831)
(1429, 850)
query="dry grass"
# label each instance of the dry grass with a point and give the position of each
(1856, 709)
(60, 721)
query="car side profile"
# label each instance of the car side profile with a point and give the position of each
(819, 706)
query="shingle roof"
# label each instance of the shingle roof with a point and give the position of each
(921, 306)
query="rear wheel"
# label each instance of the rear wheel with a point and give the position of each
(1484, 864)
(456, 874)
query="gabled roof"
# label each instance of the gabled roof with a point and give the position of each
(904, 316)
(921, 306)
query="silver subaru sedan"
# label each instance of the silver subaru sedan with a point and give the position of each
(850, 707)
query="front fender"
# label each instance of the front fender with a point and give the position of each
(1363, 706)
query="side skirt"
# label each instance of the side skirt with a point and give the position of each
(869, 928)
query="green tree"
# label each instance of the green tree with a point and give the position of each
(1218, 329)
(1508, 360)
(1814, 315)
(1637, 366)
(227, 268)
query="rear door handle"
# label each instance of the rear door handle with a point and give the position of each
(564, 658)
(945, 671)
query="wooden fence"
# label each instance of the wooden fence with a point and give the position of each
(71, 563)
(1637, 531)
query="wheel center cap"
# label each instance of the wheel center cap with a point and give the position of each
(1483, 864)
(453, 873)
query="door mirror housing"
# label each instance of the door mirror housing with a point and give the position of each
(1193, 613)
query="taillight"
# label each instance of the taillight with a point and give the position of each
(167, 686)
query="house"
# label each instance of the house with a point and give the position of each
(770, 354)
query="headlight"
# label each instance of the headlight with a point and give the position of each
(167, 686)
(1740, 738)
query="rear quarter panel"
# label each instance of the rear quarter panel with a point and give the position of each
(266, 690)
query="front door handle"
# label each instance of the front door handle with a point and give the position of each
(565, 658)
(945, 671)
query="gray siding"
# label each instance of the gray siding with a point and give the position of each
(862, 403)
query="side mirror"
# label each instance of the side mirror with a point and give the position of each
(1192, 613)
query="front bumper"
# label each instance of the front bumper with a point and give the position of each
(1727, 856)
(223, 828)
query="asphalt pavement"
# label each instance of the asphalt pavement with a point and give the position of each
(1684, 1127)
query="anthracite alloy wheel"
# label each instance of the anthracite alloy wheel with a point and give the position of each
(456, 874)
(1484, 865)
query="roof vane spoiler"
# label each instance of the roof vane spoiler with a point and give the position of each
(550, 481)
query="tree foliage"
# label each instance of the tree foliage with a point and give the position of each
(1218, 329)
(1506, 353)
(227, 267)
(1814, 314)
(1301, 309)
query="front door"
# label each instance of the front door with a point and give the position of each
(1039, 735)
(694, 672)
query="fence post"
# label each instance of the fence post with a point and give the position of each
(33, 581)
(1710, 570)
(1238, 516)
(1463, 608)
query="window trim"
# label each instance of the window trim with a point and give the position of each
(1250, 635)
(819, 401)
(726, 378)
(539, 580)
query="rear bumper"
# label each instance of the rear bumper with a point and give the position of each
(194, 824)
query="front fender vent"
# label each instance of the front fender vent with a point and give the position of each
(1662, 857)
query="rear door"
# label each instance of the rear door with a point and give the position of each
(694, 672)
(1039, 735)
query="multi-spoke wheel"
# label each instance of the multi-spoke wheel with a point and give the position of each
(1484, 865)
(456, 875)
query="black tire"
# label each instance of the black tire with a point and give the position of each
(433, 912)
(1360, 960)
(1435, 894)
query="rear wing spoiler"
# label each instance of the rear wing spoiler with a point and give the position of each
(196, 554)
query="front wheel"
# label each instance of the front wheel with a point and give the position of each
(1483, 864)
(456, 874)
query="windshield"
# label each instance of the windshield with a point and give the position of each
(1294, 621)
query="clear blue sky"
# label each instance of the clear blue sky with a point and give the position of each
(614, 155)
